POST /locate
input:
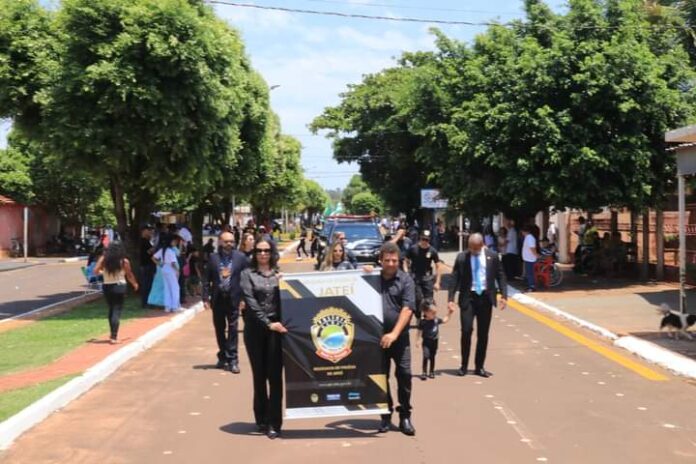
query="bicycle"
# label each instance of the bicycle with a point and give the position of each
(16, 248)
(547, 272)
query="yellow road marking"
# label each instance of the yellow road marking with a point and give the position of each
(591, 344)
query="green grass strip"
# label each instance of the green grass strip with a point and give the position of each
(46, 340)
(13, 401)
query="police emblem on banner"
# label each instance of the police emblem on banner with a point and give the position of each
(333, 333)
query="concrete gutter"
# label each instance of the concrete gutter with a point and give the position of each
(34, 414)
(651, 352)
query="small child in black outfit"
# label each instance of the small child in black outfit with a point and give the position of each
(429, 334)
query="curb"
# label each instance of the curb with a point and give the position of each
(55, 308)
(651, 352)
(74, 260)
(32, 415)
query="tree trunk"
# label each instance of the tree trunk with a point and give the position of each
(197, 226)
(660, 243)
(645, 268)
(118, 198)
(614, 227)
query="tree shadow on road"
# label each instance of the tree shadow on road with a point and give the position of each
(350, 428)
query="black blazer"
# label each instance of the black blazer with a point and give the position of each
(461, 277)
(210, 278)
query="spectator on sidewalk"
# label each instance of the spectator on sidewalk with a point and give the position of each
(147, 266)
(222, 292)
(166, 292)
(262, 337)
(511, 256)
(530, 254)
(116, 269)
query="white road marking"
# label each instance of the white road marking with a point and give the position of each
(642, 408)
(167, 452)
(571, 363)
(514, 421)
(194, 413)
(182, 432)
(619, 395)
(669, 426)
(601, 383)
(585, 373)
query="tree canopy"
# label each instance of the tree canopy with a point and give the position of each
(564, 110)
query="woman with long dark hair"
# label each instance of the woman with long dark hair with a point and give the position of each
(116, 269)
(262, 337)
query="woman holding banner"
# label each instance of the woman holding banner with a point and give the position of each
(262, 337)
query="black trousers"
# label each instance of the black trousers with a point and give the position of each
(400, 354)
(481, 309)
(429, 353)
(115, 302)
(301, 248)
(146, 276)
(226, 322)
(511, 265)
(424, 289)
(266, 357)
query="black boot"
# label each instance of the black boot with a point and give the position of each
(406, 426)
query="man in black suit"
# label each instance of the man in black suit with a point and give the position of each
(222, 290)
(474, 276)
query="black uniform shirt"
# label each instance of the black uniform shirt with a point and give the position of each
(422, 260)
(430, 328)
(397, 293)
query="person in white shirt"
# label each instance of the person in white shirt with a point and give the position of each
(511, 255)
(529, 256)
(552, 233)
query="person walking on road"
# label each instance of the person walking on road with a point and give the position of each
(429, 335)
(398, 303)
(419, 262)
(474, 275)
(262, 337)
(223, 292)
(247, 245)
(116, 269)
(302, 246)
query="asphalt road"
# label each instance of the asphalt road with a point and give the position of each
(30, 288)
(552, 399)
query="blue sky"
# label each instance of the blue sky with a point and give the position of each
(312, 58)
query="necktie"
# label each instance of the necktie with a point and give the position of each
(477, 278)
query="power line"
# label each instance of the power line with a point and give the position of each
(352, 15)
(406, 7)
(659, 27)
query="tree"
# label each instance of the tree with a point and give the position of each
(314, 197)
(15, 175)
(27, 56)
(355, 185)
(145, 95)
(366, 203)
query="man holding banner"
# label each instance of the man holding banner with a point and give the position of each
(398, 303)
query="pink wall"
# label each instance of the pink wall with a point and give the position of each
(42, 226)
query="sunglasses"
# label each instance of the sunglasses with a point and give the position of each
(228, 241)
(262, 250)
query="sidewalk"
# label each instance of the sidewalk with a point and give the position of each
(624, 309)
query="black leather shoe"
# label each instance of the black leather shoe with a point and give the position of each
(273, 433)
(234, 368)
(221, 365)
(461, 372)
(406, 427)
(385, 424)
(482, 373)
(423, 376)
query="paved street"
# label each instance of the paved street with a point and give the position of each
(552, 399)
(26, 289)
